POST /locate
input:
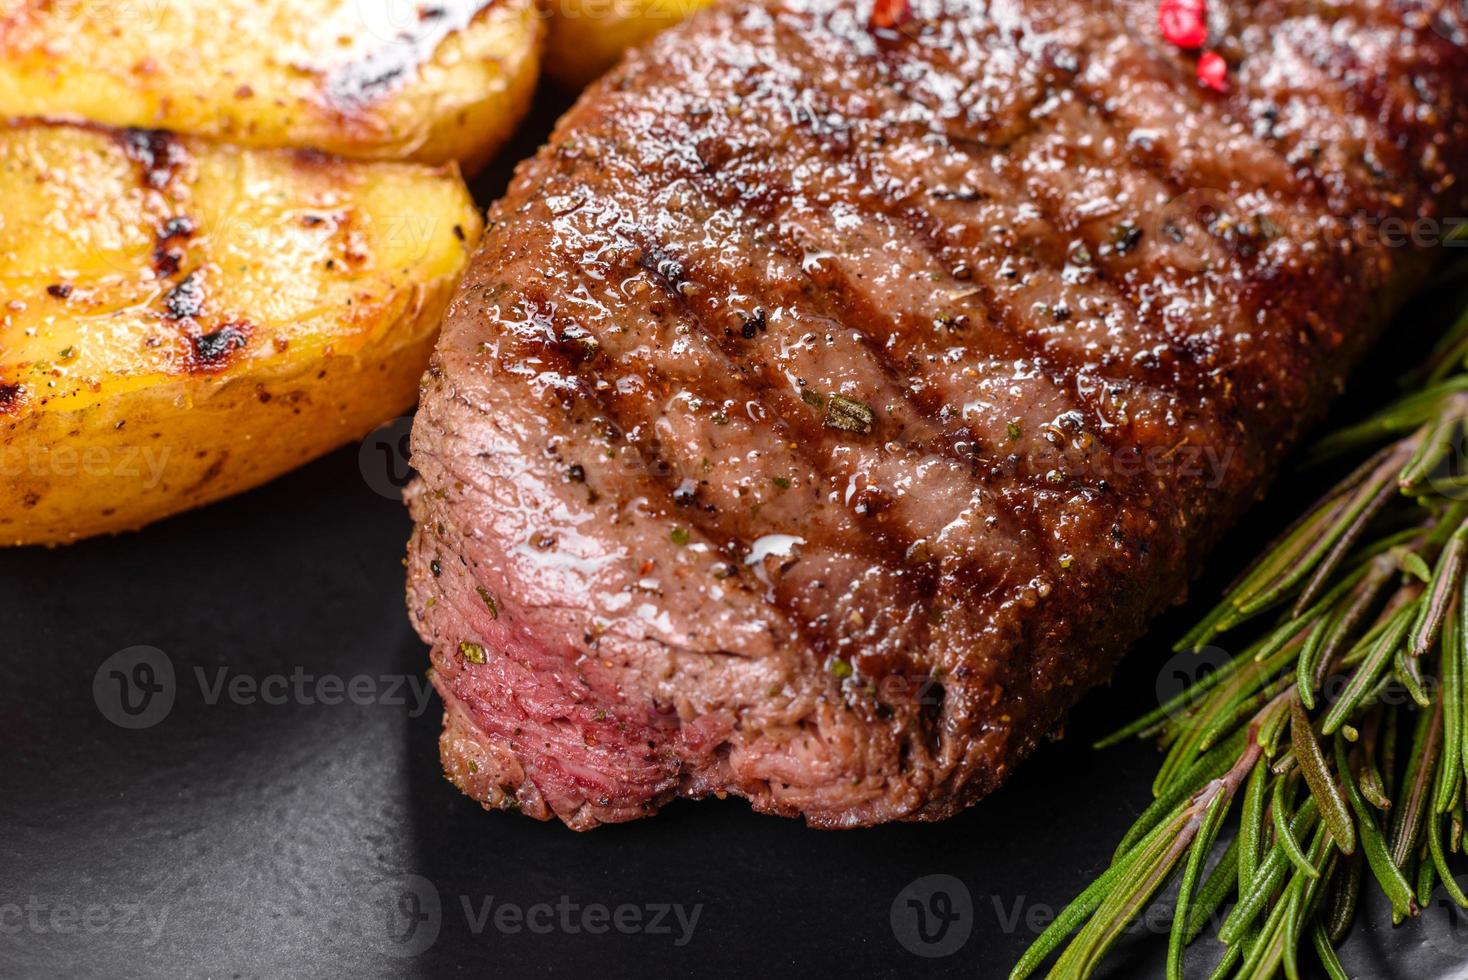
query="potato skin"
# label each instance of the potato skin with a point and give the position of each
(219, 316)
(588, 36)
(423, 80)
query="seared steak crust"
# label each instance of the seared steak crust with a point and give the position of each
(827, 409)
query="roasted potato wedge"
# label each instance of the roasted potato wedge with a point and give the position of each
(588, 36)
(181, 320)
(424, 80)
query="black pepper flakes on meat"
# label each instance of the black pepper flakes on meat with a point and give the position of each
(754, 325)
(1125, 238)
(686, 494)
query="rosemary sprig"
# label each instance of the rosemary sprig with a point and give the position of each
(1366, 649)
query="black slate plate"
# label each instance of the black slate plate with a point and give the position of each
(275, 808)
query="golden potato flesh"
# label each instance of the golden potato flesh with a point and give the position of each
(425, 80)
(181, 320)
(588, 36)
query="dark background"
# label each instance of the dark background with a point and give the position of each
(306, 839)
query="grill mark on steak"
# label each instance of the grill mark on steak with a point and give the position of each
(1025, 516)
(1000, 342)
(851, 297)
(670, 272)
(885, 543)
(1072, 144)
(879, 545)
(842, 149)
(929, 227)
(1057, 366)
(883, 84)
(1292, 34)
(1302, 71)
(846, 301)
(814, 311)
(787, 115)
(1183, 160)
(1242, 251)
(742, 540)
(714, 526)
(1057, 213)
(825, 144)
(807, 433)
(1335, 165)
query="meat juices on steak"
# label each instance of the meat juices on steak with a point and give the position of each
(826, 410)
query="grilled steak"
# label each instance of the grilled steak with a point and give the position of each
(829, 406)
